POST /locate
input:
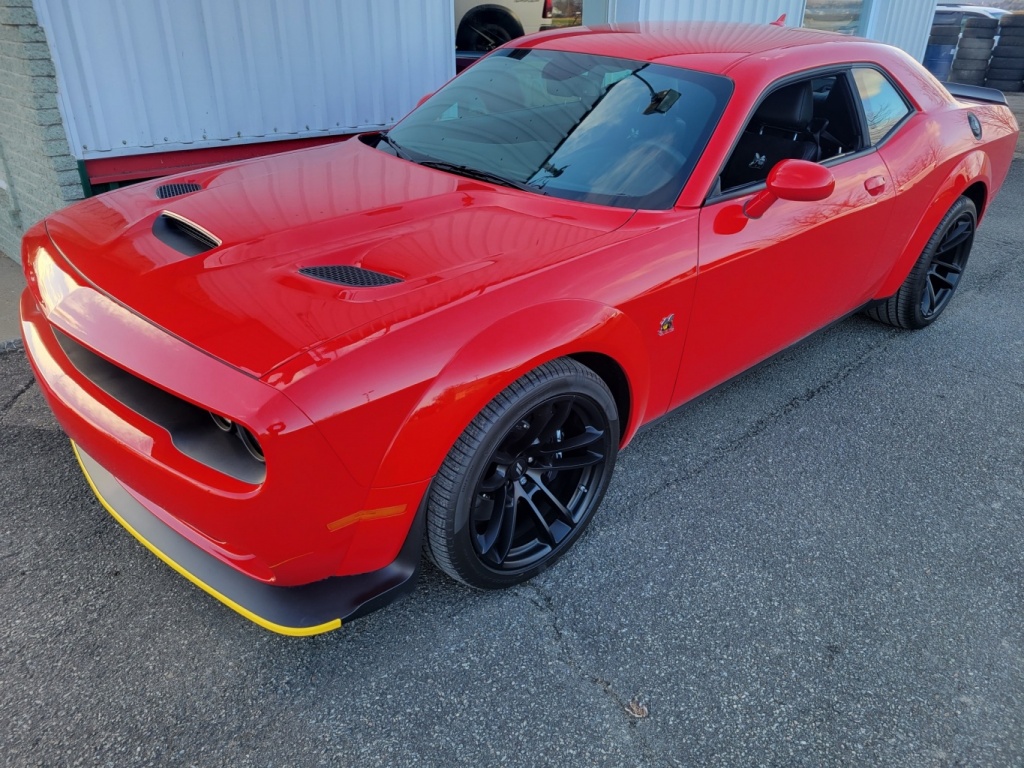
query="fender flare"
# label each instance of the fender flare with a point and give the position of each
(496, 357)
(973, 168)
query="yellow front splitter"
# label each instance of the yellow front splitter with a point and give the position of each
(310, 609)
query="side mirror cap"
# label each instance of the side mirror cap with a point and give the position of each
(799, 180)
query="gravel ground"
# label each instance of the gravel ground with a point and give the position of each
(818, 565)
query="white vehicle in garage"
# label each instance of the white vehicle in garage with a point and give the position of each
(485, 26)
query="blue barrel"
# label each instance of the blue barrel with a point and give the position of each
(938, 59)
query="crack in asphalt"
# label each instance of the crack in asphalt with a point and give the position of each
(766, 422)
(17, 395)
(546, 604)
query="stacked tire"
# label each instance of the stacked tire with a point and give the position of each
(973, 51)
(938, 56)
(1006, 70)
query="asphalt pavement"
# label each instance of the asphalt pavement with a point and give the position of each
(819, 565)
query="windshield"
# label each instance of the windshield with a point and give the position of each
(578, 126)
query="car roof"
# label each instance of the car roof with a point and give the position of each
(726, 42)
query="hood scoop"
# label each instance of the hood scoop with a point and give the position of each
(184, 236)
(174, 190)
(353, 277)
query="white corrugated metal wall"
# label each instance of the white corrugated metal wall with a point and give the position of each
(181, 74)
(754, 11)
(903, 23)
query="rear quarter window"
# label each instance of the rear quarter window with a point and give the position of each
(884, 105)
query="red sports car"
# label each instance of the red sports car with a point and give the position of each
(291, 375)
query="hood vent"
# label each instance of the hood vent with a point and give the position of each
(173, 190)
(354, 277)
(182, 235)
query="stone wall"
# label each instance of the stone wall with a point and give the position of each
(37, 172)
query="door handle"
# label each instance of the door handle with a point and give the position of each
(875, 185)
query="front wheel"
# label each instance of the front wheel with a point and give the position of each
(525, 478)
(930, 285)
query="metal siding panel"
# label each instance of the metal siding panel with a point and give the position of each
(904, 24)
(753, 11)
(180, 74)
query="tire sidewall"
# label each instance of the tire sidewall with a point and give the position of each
(457, 509)
(919, 276)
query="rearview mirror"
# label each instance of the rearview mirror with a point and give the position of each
(799, 180)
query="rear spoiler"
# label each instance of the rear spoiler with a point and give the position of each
(975, 93)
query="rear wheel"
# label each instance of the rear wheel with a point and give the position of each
(930, 285)
(523, 481)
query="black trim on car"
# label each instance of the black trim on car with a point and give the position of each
(302, 610)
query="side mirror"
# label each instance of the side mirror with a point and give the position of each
(799, 180)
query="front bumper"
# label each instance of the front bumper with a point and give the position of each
(298, 611)
(298, 548)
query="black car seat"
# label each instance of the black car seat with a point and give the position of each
(779, 130)
(833, 125)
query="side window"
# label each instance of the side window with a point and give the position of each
(812, 119)
(884, 107)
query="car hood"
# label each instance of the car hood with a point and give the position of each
(437, 238)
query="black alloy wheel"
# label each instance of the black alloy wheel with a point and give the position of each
(929, 287)
(947, 265)
(525, 478)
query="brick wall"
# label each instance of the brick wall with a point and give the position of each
(37, 172)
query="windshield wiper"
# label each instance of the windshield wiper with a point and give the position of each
(476, 173)
(399, 150)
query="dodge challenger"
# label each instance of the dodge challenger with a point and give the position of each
(291, 377)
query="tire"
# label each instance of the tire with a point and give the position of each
(1010, 51)
(970, 66)
(974, 55)
(1012, 20)
(1011, 35)
(1006, 86)
(999, 62)
(1005, 74)
(935, 276)
(974, 44)
(950, 40)
(980, 24)
(507, 501)
(965, 75)
(486, 31)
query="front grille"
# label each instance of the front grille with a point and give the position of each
(192, 431)
(354, 277)
(173, 190)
